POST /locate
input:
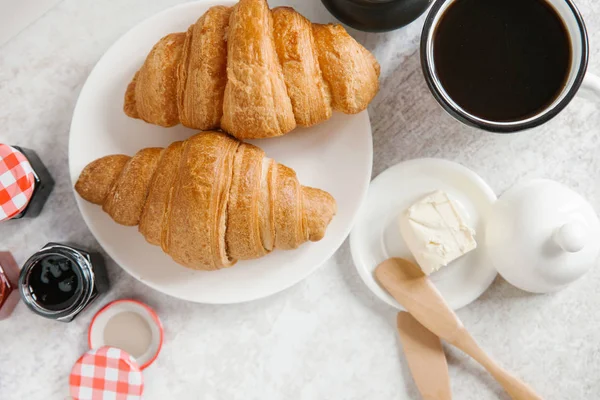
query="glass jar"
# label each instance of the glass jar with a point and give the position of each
(377, 15)
(60, 281)
(9, 278)
(25, 183)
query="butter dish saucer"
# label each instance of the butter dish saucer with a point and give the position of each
(376, 234)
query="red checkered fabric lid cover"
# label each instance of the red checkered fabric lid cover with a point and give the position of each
(106, 373)
(17, 181)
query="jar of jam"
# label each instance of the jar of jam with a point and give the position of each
(25, 183)
(376, 15)
(60, 281)
(9, 277)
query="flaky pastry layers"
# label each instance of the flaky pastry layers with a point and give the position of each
(208, 201)
(253, 72)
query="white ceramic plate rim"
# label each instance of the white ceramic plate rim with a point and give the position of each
(361, 184)
(364, 272)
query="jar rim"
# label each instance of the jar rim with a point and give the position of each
(83, 271)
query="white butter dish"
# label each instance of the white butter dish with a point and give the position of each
(376, 236)
(542, 236)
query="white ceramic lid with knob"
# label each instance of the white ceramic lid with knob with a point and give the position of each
(542, 236)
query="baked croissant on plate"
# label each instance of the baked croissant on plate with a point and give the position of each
(208, 201)
(253, 72)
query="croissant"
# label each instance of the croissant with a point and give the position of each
(208, 201)
(253, 72)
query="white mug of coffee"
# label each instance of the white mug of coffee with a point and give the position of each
(506, 65)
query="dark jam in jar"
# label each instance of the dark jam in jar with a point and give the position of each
(55, 283)
(59, 281)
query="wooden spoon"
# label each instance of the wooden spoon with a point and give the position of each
(411, 288)
(425, 357)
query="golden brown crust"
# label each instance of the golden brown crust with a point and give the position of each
(319, 209)
(209, 200)
(130, 106)
(98, 177)
(256, 103)
(196, 228)
(295, 45)
(243, 236)
(372, 60)
(155, 209)
(351, 75)
(289, 232)
(202, 72)
(253, 72)
(155, 84)
(126, 200)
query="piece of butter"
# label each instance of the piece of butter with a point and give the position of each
(435, 232)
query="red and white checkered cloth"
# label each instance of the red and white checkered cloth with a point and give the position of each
(17, 181)
(106, 373)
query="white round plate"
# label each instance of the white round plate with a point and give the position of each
(376, 235)
(335, 156)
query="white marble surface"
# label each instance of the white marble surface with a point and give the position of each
(327, 337)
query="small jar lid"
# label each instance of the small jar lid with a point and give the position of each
(17, 181)
(106, 373)
(131, 326)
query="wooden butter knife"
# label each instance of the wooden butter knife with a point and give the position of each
(410, 287)
(425, 357)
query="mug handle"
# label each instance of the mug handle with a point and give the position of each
(590, 87)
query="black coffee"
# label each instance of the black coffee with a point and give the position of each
(55, 283)
(502, 60)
